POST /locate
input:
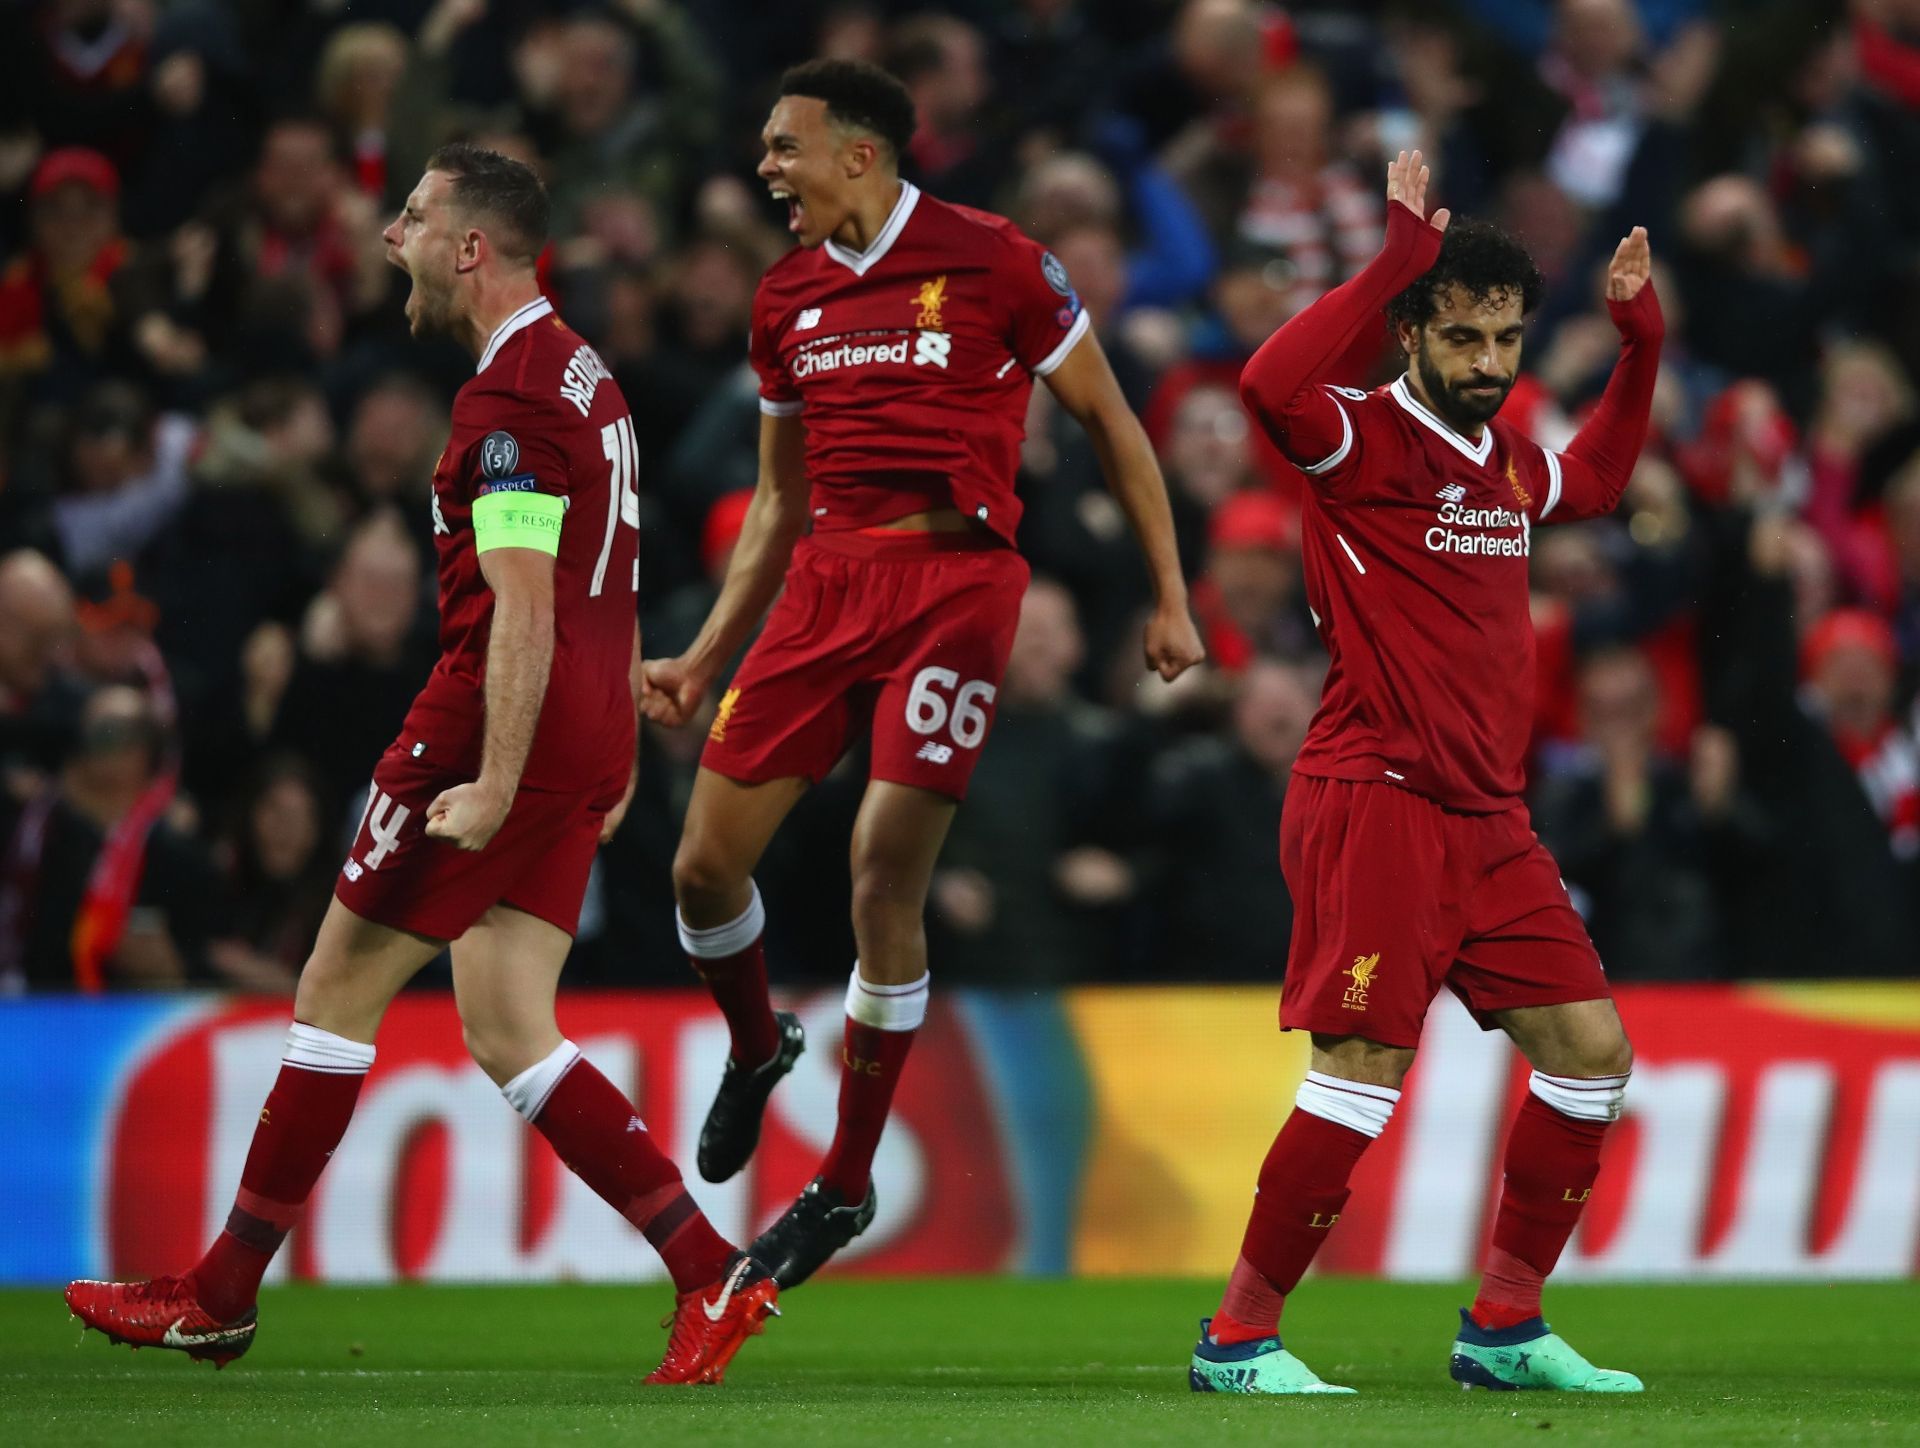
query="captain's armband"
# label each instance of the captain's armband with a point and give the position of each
(518, 520)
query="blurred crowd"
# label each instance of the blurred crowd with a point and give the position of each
(216, 438)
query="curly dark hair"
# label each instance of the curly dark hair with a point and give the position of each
(857, 94)
(1481, 260)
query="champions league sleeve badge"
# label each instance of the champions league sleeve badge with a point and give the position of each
(500, 454)
(1055, 271)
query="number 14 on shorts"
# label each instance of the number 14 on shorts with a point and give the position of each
(964, 717)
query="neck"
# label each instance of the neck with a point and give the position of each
(1419, 390)
(493, 303)
(869, 214)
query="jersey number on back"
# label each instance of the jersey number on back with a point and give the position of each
(623, 497)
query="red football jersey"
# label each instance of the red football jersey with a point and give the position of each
(912, 361)
(541, 414)
(1415, 542)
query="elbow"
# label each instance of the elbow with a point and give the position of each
(1252, 397)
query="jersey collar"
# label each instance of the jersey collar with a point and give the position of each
(858, 262)
(532, 312)
(1403, 395)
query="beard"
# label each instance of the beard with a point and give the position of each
(431, 314)
(1462, 410)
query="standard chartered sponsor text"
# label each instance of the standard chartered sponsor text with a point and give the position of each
(1447, 537)
(848, 354)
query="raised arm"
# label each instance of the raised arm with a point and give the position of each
(1598, 463)
(671, 689)
(1279, 385)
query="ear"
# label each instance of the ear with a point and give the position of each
(1408, 336)
(473, 251)
(861, 156)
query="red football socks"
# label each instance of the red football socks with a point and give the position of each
(870, 1064)
(738, 985)
(1552, 1160)
(1303, 1186)
(729, 958)
(302, 1122)
(596, 1132)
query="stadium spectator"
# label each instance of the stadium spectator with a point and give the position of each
(1213, 803)
(941, 59)
(1249, 599)
(126, 476)
(39, 704)
(359, 71)
(101, 891)
(64, 309)
(1033, 879)
(1641, 835)
(366, 645)
(276, 864)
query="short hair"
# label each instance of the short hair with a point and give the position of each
(1480, 260)
(501, 190)
(857, 93)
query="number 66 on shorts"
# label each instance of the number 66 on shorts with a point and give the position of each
(906, 638)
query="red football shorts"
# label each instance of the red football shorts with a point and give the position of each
(397, 877)
(905, 636)
(1395, 896)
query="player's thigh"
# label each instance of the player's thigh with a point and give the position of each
(789, 712)
(396, 876)
(1579, 1038)
(728, 828)
(1355, 1058)
(506, 972)
(356, 968)
(1527, 948)
(1375, 926)
(938, 695)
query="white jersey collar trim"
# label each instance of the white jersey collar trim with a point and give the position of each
(1403, 395)
(532, 312)
(858, 262)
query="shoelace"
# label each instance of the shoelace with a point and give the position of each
(160, 1289)
(684, 1340)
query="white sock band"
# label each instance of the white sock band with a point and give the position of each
(888, 1007)
(723, 940)
(1352, 1104)
(312, 1049)
(1584, 1098)
(527, 1093)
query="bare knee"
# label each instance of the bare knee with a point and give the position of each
(503, 1049)
(1609, 1054)
(710, 888)
(1355, 1058)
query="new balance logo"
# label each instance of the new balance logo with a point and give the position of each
(935, 753)
(634, 1123)
(808, 319)
(352, 870)
(1452, 493)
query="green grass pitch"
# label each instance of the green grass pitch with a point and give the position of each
(962, 1362)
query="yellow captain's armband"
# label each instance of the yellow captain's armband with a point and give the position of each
(518, 520)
